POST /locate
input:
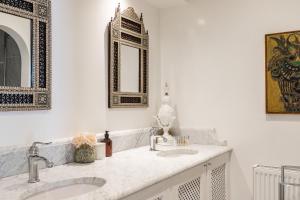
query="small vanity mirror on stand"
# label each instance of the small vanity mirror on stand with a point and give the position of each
(128, 61)
(25, 52)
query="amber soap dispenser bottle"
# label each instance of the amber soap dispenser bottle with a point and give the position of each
(108, 144)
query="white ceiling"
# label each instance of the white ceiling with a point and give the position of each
(166, 3)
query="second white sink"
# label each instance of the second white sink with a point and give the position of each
(65, 189)
(176, 152)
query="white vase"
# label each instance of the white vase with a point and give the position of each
(166, 116)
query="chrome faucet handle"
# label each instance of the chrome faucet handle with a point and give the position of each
(153, 130)
(34, 150)
(153, 138)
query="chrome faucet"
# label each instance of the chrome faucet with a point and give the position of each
(33, 159)
(154, 137)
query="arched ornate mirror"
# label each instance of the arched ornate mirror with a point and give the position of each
(128, 61)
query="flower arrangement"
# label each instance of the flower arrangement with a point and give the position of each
(81, 139)
(85, 151)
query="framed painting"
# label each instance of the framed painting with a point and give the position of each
(283, 73)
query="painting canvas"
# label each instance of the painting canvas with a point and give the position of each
(283, 73)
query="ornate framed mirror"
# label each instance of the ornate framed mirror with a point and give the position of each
(128, 60)
(25, 55)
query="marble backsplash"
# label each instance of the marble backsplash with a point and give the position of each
(13, 160)
(202, 136)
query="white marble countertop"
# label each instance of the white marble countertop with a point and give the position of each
(125, 173)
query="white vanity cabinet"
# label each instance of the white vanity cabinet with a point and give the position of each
(163, 196)
(208, 181)
(217, 178)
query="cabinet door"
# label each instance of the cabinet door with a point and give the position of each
(157, 197)
(190, 190)
(218, 178)
(166, 195)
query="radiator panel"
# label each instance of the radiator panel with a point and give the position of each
(266, 184)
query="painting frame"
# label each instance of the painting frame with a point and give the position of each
(289, 104)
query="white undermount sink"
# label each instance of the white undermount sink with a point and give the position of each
(65, 189)
(175, 151)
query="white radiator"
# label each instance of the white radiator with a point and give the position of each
(266, 183)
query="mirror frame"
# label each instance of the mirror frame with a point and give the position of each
(126, 28)
(38, 96)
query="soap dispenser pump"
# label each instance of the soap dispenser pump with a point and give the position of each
(108, 144)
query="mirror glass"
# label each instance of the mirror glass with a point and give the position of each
(130, 65)
(15, 51)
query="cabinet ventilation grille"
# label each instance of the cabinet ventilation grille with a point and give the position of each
(190, 190)
(218, 181)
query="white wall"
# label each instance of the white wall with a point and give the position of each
(80, 76)
(24, 127)
(92, 59)
(212, 54)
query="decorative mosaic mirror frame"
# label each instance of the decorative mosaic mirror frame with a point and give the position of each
(38, 97)
(128, 29)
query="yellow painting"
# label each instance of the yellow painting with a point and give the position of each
(283, 72)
